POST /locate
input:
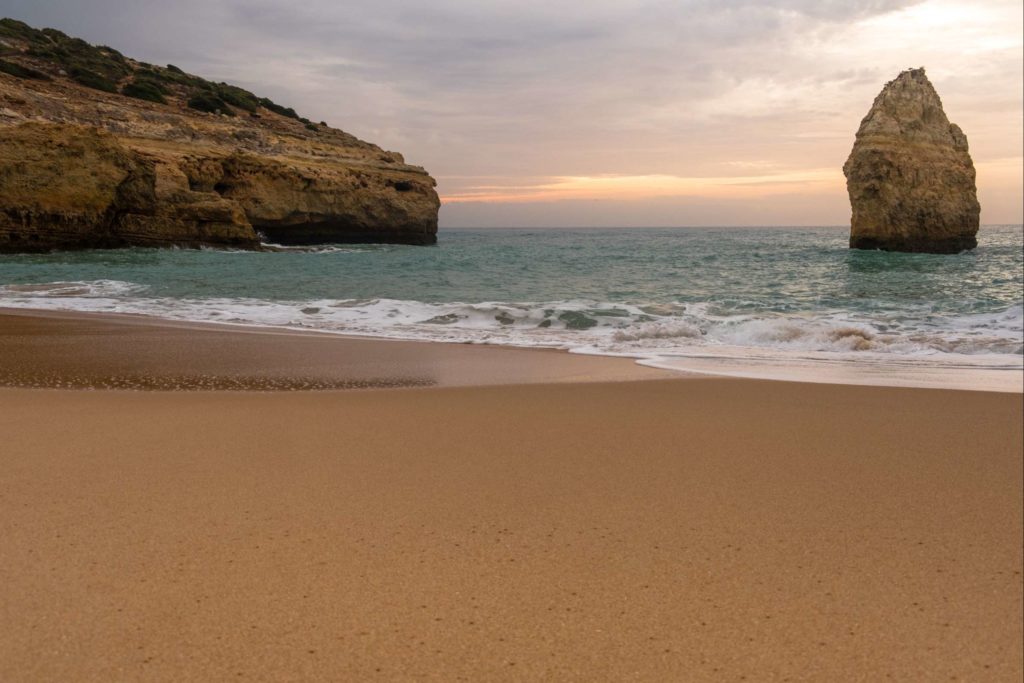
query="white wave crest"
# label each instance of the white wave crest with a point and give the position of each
(800, 334)
(73, 289)
(643, 330)
(668, 329)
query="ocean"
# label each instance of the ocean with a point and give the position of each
(761, 302)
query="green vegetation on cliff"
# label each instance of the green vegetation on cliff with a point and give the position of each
(98, 150)
(22, 71)
(142, 88)
(210, 103)
(43, 53)
(91, 79)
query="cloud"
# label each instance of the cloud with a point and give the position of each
(532, 89)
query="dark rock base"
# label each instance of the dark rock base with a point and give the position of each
(311, 234)
(947, 246)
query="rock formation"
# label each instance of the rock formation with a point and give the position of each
(910, 177)
(98, 150)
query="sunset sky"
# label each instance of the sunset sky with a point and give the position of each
(601, 112)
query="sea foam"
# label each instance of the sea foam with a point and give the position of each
(767, 296)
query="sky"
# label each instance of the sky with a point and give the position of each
(544, 113)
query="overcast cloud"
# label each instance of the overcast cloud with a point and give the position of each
(597, 112)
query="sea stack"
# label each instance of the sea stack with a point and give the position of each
(98, 150)
(910, 177)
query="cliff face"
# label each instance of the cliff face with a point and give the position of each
(70, 187)
(910, 176)
(84, 167)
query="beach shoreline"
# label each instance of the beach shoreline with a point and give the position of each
(487, 513)
(39, 344)
(58, 349)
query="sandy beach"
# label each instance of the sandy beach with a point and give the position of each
(509, 341)
(509, 515)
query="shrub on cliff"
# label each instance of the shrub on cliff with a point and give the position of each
(278, 109)
(210, 103)
(149, 73)
(22, 71)
(12, 28)
(145, 89)
(74, 54)
(91, 79)
(103, 68)
(238, 97)
(173, 74)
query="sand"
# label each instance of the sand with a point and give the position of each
(88, 350)
(692, 529)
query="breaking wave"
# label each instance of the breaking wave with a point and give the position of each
(673, 298)
(587, 326)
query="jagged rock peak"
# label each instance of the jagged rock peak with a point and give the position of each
(910, 177)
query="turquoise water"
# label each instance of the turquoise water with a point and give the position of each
(640, 292)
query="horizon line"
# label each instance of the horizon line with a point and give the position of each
(675, 227)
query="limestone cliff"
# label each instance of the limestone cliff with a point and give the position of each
(98, 150)
(910, 176)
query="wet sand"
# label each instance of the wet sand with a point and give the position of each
(693, 529)
(49, 349)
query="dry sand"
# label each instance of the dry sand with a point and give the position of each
(695, 529)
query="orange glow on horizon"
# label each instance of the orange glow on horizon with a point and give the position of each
(640, 187)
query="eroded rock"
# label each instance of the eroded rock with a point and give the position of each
(86, 168)
(74, 187)
(910, 176)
